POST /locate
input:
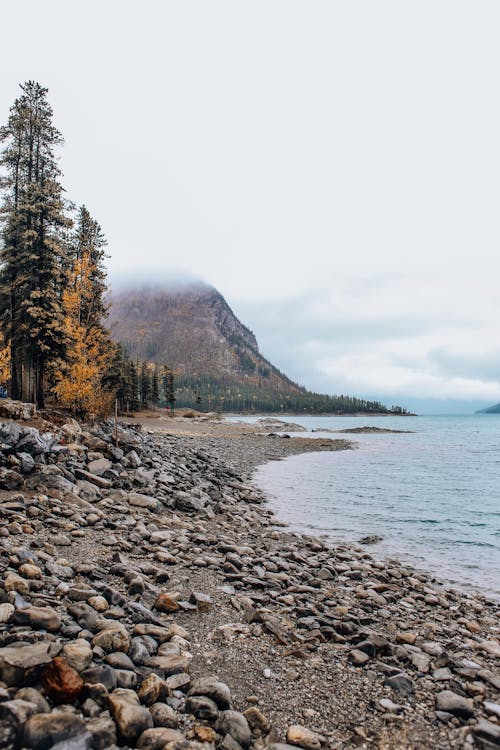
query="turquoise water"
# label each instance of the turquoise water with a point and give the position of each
(433, 495)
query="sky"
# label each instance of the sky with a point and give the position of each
(333, 168)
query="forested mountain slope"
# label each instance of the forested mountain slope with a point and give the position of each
(191, 328)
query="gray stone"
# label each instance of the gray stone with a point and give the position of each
(25, 663)
(454, 704)
(100, 674)
(202, 707)
(235, 724)
(103, 732)
(217, 691)
(488, 731)
(44, 730)
(99, 467)
(143, 501)
(163, 715)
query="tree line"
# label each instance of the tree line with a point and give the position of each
(53, 282)
(53, 308)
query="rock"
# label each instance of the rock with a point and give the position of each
(400, 684)
(258, 723)
(27, 462)
(80, 742)
(100, 674)
(152, 690)
(217, 691)
(10, 409)
(99, 466)
(17, 712)
(143, 501)
(42, 731)
(61, 682)
(202, 707)
(163, 715)
(103, 732)
(43, 618)
(157, 738)
(359, 658)
(492, 708)
(61, 540)
(78, 654)
(19, 666)
(167, 602)
(27, 570)
(202, 601)
(99, 603)
(298, 735)
(33, 696)
(13, 582)
(114, 638)
(454, 704)
(168, 664)
(6, 612)
(236, 725)
(10, 432)
(486, 730)
(130, 717)
(388, 705)
(10, 480)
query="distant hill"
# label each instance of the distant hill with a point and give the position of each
(490, 410)
(191, 328)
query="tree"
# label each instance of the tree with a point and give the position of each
(155, 387)
(88, 241)
(168, 383)
(145, 385)
(80, 379)
(33, 255)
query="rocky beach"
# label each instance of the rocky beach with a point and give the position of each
(149, 598)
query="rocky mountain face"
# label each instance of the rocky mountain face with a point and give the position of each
(191, 328)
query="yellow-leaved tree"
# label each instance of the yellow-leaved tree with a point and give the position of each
(80, 381)
(5, 365)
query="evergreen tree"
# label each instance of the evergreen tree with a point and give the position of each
(170, 390)
(155, 387)
(145, 385)
(33, 255)
(88, 241)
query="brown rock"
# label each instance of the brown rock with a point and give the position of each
(61, 682)
(131, 718)
(153, 689)
(298, 735)
(167, 602)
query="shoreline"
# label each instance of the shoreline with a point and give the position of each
(356, 651)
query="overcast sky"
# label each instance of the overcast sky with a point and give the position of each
(333, 168)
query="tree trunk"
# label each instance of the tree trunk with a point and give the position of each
(40, 395)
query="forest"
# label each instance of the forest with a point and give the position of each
(55, 347)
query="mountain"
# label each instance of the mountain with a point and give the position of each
(190, 327)
(490, 410)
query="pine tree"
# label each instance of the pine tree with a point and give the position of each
(170, 389)
(155, 388)
(33, 255)
(145, 385)
(88, 241)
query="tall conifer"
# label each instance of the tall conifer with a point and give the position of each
(32, 255)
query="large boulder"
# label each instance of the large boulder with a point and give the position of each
(10, 409)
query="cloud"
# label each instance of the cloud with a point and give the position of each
(394, 337)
